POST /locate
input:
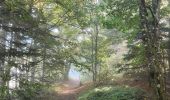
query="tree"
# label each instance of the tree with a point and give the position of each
(25, 32)
(152, 42)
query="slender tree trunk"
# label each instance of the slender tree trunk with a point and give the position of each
(66, 70)
(8, 67)
(96, 53)
(144, 25)
(2, 55)
(33, 71)
(93, 50)
(44, 62)
(92, 58)
(33, 68)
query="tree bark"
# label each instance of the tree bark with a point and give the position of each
(152, 42)
(96, 53)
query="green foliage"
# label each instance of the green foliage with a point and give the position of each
(3, 92)
(28, 90)
(121, 14)
(105, 77)
(135, 57)
(33, 20)
(113, 93)
(165, 11)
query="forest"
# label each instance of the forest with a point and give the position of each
(84, 50)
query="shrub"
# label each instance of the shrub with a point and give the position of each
(113, 93)
(28, 90)
(104, 78)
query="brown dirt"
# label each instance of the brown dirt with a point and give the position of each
(69, 92)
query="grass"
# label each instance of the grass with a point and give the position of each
(113, 93)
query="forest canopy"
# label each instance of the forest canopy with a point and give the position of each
(119, 43)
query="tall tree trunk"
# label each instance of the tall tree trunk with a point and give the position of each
(33, 68)
(144, 25)
(2, 72)
(152, 42)
(92, 57)
(159, 68)
(2, 55)
(96, 52)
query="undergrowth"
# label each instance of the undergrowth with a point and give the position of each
(113, 93)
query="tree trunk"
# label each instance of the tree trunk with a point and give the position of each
(152, 42)
(44, 62)
(159, 68)
(66, 70)
(92, 57)
(96, 53)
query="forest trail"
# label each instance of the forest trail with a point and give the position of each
(70, 91)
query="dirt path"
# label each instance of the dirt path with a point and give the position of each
(70, 91)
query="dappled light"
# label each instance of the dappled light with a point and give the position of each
(84, 50)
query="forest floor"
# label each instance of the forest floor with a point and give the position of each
(144, 84)
(69, 91)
